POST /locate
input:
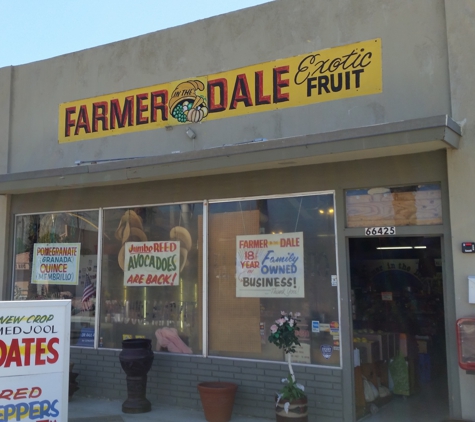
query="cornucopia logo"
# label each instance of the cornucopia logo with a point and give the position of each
(186, 105)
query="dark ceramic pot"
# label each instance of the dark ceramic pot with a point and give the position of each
(136, 359)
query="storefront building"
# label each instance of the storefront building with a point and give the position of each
(189, 184)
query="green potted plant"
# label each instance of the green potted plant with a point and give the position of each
(291, 401)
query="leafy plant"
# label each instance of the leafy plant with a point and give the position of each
(284, 336)
(283, 332)
(292, 390)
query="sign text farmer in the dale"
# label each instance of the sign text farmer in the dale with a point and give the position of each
(270, 265)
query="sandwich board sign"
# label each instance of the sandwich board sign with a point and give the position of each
(34, 360)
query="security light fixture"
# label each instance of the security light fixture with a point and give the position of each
(190, 133)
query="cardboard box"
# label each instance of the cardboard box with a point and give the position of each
(369, 351)
(382, 339)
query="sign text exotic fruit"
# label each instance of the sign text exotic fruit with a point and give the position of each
(56, 263)
(270, 265)
(34, 360)
(341, 72)
(152, 263)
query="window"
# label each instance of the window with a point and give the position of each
(264, 256)
(267, 256)
(150, 277)
(56, 258)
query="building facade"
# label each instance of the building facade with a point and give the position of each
(200, 179)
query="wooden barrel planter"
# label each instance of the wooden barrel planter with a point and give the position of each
(217, 399)
(297, 412)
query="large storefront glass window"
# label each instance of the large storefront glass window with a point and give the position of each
(56, 258)
(150, 277)
(267, 256)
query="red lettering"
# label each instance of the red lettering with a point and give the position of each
(100, 110)
(292, 242)
(220, 85)
(3, 352)
(279, 83)
(159, 105)
(259, 88)
(52, 350)
(241, 92)
(69, 121)
(40, 350)
(14, 354)
(119, 116)
(21, 393)
(34, 390)
(141, 108)
(6, 394)
(83, 121)
(164, 247)
(27, 342)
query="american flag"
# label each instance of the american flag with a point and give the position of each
(88, 293)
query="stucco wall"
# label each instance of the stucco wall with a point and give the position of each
(461, 36)
(5, 99)
(415, 76)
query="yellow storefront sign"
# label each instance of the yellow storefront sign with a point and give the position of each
(341, 72)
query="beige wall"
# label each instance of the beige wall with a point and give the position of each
(5, 254)
(5, 106)
(415, 76)
(461, 165)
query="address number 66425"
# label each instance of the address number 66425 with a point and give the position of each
(380, 231)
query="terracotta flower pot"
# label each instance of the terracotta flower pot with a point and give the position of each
(298, 411)
(217, 399)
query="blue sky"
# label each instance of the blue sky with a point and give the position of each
(32, 30)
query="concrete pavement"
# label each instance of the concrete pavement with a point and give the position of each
(86, 409)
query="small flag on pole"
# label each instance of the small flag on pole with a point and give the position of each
(88, 293)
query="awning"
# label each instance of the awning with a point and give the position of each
(380, 140)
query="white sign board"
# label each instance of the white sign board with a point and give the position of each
(56, 263)
(34, 360)
(270, 265)
(152, 263)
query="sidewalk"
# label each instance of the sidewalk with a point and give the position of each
(84, 409)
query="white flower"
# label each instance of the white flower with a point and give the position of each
(300, 386)
(297, 314)
(273, 329)
(286, 407)
(283, 313)
(291, 322)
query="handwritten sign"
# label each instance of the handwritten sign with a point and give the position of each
(56, 263)
(270, 265)
(152, 263)
(34, 360)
